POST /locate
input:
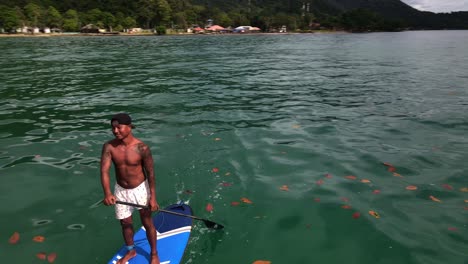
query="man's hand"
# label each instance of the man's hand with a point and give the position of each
(110, 200)
(153, 205)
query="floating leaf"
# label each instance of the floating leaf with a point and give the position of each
(235, 203)
(344, 199)
(387, 164)
(226, 184)
(466, 201)
(39, 239)
(261, 262)
(346, 206)
(391, 169)
(464, 189)
(51, 257)
(319, 182)
(351, 177)
(41, 255)
(376, 191)
(317, 200)
(296, 126)
(434, 199)
(365, 181)
(328, 176)
(227, 174)
(215, 170)
(284, 188)
(374, 214)
(356, 215)
(217, 139)
(245, 200)
(397, 175)
(14, 238)
(451, 228)
(209, 207)
(447, 186)
(411, 188)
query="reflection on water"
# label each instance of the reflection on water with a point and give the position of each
(292, 139)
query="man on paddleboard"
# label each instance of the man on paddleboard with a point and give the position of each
(135, 182)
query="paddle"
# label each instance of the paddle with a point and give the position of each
(208, 223)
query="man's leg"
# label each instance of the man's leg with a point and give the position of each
(147, 222)
(127, 231)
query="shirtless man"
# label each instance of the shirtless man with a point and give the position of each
(135, 182)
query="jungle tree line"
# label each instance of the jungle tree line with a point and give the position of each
(116, 15)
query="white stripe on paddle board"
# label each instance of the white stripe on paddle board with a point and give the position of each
(172, 232)
(119, 257)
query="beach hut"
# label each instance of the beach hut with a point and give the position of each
(215, 28)
(198, 30)
(90, 28)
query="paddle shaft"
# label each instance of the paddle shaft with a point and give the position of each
(161, 210)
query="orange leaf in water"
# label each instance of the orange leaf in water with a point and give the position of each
(346, 206)
(217, 139)
(39, 239)
(209, 207)
(284, 188)
(351, 177)
(317, 200)
(387, 164)
(365, 181)
(41, 255)
(51, 257)
(215, 170)
(376, 191)
(245, 200)
(434, 199)
(356, 215)
(226, 184)
(451, 228)
(464, 189)
(344, 199)
(397, 175)
(374, 214)
(447, 186)
(391, 169)
(466, 201)
(235, 203)
(261, 262)
(411, 188)
(14, 238)
(319, 182)
(328, 176)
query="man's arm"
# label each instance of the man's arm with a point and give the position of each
(106, 160)
(148, 166)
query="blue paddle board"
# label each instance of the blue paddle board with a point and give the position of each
(173, 233)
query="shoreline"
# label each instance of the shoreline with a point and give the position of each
(22, 35)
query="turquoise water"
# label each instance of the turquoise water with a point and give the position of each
(284, 119)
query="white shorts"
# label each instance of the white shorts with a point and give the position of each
(138, 195)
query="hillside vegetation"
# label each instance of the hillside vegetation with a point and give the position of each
(269, 15)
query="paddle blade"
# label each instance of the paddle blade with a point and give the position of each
(213, 225)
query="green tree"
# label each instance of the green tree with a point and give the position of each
(54, 18)
(129, 22)
(147, 11)
(33, 13)
(9, 19)
(108, 20)
(71, 22)
(94, 16)
(179, 20)
(163, 12)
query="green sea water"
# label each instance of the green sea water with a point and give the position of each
(283, 118)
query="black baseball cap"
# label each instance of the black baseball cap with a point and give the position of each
(122, 119)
